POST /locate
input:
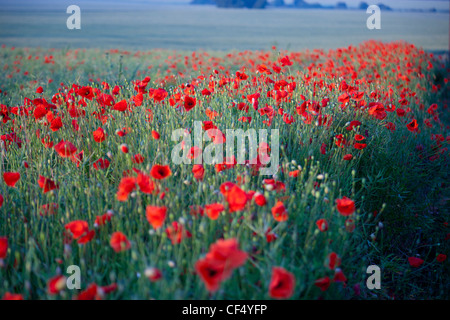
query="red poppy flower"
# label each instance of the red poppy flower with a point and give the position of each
(213, 210)
(119, 242)
(441, 257)
(87, 237)
(377, 110)
(270, 236)
(138, 158)
(126, 186)
(124, 148)
(415, 262)
(333, 261)
(412, 126)
(322, 224)
(263, 69)
(160, 172)
(11, 178)
(360, 146)
(153, 274)
(390, 126)
(3, 247)
(236, 198)
(56, 284)
(121, 133)
(99, 135)
(121, 106)
(189, 103)
(85, 92)
(340, 141)
(217, 136)
(1, 200)
(228, 252)
(294, 174)
(101, 164)
(353, 124)
(77, 228)
(39, 112)
(344, 98)
(279, 212)
(145, 184)
(226, 187)
(155, 135)
(176, 232)
(282, 283)
(156, 216)
(91, 293)
(56, 124)
(39, 90)
(206, 92)
(218, 264)
(77, 158)
(400, 112)
(105, 100)
(101, 220)
(138, 99)
(116, 90)
(323, 148)
(259, 199)
(345, 206)
(194, 152)
(199, 171)
(286, 62)
(65, 149)
(323, 283)
(46, 184)
(12, 296)
(210, 272)
(159, 95)
(348, 157)
(339, 276)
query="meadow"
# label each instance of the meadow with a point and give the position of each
(87, 178)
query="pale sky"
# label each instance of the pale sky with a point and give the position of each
(395, 4)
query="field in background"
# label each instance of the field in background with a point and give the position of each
(134, 27)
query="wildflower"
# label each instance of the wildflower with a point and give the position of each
(282, 283)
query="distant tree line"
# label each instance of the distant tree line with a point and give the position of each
(260, 4)
(251, 4)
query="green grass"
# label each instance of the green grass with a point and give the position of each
(390, 177)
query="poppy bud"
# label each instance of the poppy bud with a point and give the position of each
(124, 148)
(155, 135)
(153, 274)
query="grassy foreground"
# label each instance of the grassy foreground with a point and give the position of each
(88, 180)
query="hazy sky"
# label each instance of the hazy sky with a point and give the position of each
(396, 4)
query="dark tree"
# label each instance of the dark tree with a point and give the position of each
(278, 3)
(363, 6)
(384, 7)
(341, 5)
(304, 4)
(252, 4)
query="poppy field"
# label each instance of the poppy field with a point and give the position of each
(87, 177)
